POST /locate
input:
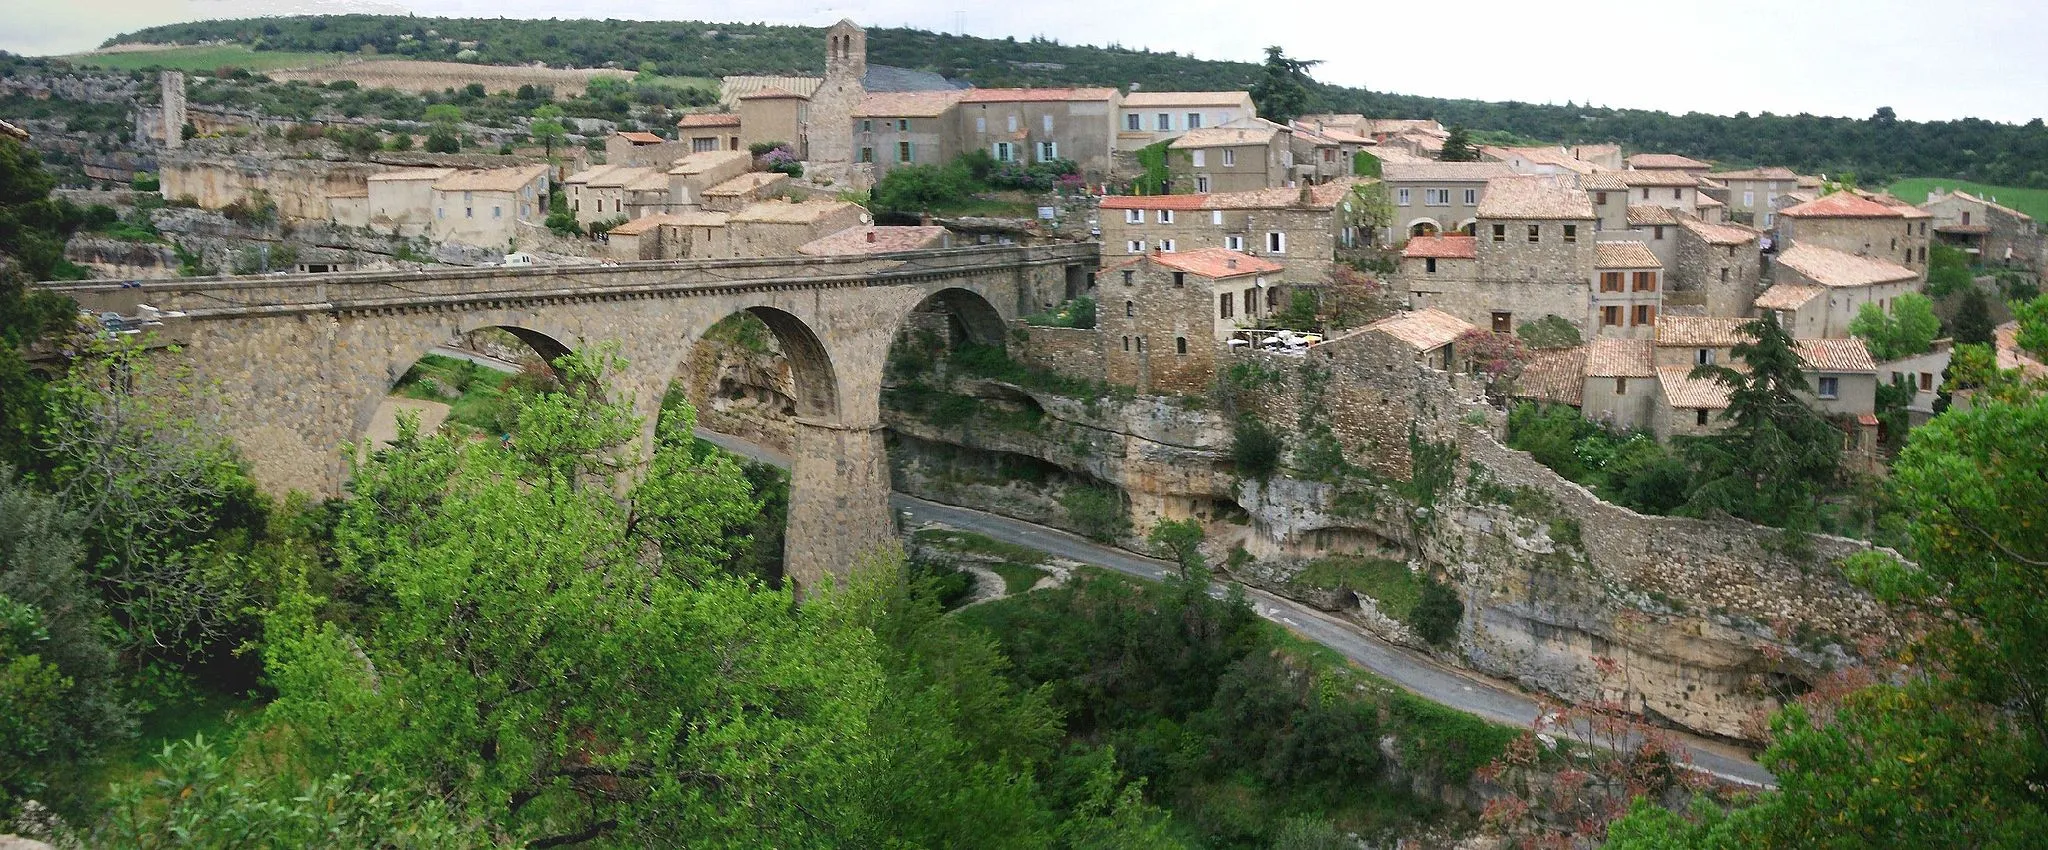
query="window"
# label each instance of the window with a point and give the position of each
(1134, 216)
(1133, 122)
(1926, 382)
(1234, 243)
(1610, 281)
(1724, 274)
(1749, 199)
(1571, 233)
(1895, 245)
(1166, 245)
(1202, 183)
(1141, 345)
(1048, 151)
(1166, 216)
(1224, 303)
(867, 125)
(1830, 386)
(1471, 197)
(1198, 159)
(1329, 155)
(1180, 280)
(1165, 122)
(1503, 322)
(1401, 197)
(1621, 386)
(576, 205)
(1216, 217)
(1909, 255)
(1251, 302)
(1500, 233)
(440, 213)
(1610, 317)
(1923, 251)
(1699, 417)
(1272, 297)
(981, 123)
(1130, 308)
(1436, 197)
(1180, 345)
(1127, 343)
(1645, 282)
(902, 151)
(1731, 250)
(1194, 120)
(1923, 228)
(1771, 199)
(1702, 357)
(1646, 193)
(1276, 243)
(1677, 194)
(1429, 265)
(1645, 314)
(1535, 233)
(1005, 152)
(1229, 158)
(704, 145)
(470, 212)
(1657, 232)
(1600, 197)
(1012, 121)
(867, 154)
(1129, 276)
(497, 212)
(1046, 122)
(1135, 246)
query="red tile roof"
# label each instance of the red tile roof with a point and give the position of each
(1036, 95)
(1681, 390)
(641, 138)
(1423, 330)
(1154, 202)
(772, 93)
(1216, 263)
(871, 239)
(1557, 377)
(1625, 255)
(1700, 331)
(1835, 355)
(1829, 267)
(1665, 160)
(1442, 247)
(1841, 205)
(708, 119)
(1607, 357)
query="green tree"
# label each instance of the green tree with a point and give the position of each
(2033, 332)
(1458, 147)
(547, 126)
(1777, 455)
(33, 227)
(1181, 542)
(1973, 325)
(1283, 88)
(1908, 329)
(919, 188)
(444, 115)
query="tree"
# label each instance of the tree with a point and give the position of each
(1909, 329)
(1498, 358)
(1282, 91)
(1776, 455)
(444, 115)
(1973, 325)
(33, 227)
(1180, 541)
(547, 126)
(918, 188)
(1551, 331)
(2033, 331)
(1458, 147)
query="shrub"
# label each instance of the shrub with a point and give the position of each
(1078, 313)
(145, 182)
(1437, 613)
(1097, 512)
(441, 141)
(1255, 448)
(1551, 331)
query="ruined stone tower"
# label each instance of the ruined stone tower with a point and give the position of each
(832, 105)
(173, 83)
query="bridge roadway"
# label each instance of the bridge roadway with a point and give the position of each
(1417, 673)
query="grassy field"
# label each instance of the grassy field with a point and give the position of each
(2033, 202)
(204, 58)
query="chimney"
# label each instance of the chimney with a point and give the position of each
(925, 219)
(1230, 262)
(871, 234)
(1305, 198)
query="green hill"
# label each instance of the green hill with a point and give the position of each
(1877, 149)
(2033, 202)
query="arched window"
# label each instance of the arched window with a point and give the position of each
(1180, 345)
(1130, 309)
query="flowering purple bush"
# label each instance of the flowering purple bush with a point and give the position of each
(781, 159)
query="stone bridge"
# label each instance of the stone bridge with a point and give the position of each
(301, 362)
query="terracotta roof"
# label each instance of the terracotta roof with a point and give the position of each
(731, 89)
(702, 161)
(1718, 234)
(1705, 201)
(1036, 95)
(1543, 155)
(1897, 204)
(2006, 341)
(1376, 126)
(1343, 119)
(1710, 183)
(1681, 390)
(1624, 255)
(908, 104)
(1213, 137)
(1788, 296)
(1699, 331)
(1533, 198)
(411, 174)
(1835, 355)
(643, 224)
(1216, 263)
(1767, 173)
(641, 138)
(1656, 177)
(1442, 247)
(1154, 202)
(784, 212)
(698, 218)
(870, 239)
(773, 93)
(1321, 196)
(695, 120)
(1665, 160)
(1423, 330)
(493, 180)
(1391, 156)
(1607, 357)
(654, 180)
(591, 173)
(1650, 215)
(1976, 229)
(1602, 181)
(1337, 135)
(1473, 172)
(1187, 98)
(1809, 182)
(1993, 204)
(1829, 267)
(619, 177)
(749, 182)
(1556, 377)
(1841, 205)
(1422, 139)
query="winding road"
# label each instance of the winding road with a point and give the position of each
(1418, 673)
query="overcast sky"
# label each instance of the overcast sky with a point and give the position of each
(1926, 60)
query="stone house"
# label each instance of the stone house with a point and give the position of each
(1432, 334)
(1753, 193)
(1324, 154)
(1840, 375)
(1148, 117)
(1628, 290)
(1437, 197)
(401, 202)
(1537, 160)
(1992, 234)
(1432, 264)
(484, 208)
(1657, 227)
(1040, 125)
(1232, 159)
(775, 115)
(1819, 290)
(692, 175)
(643, 149)
(710, 131)
(1619, 388)
(777, 228)
(1605, 157)
(643, 238)
(1717, 268)
(873, 239)
(736, 194)
(893, 129)
(599, 193)
(1300, 227)
(1666, 162)
(1536, 254)
(1852, 223)
(1165, 316)
(1686, 406)
(1923, 372)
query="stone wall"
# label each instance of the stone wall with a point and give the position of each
(1721, 280)
(1073, 352)
(1893, 239)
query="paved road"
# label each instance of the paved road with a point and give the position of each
(1418, 673)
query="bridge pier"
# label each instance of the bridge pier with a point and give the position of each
(838, 501)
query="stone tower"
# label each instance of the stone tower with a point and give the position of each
(832, 105)
(173, 84)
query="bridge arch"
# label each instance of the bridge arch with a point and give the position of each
(969, 316)
(373, 412)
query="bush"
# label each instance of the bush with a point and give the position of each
(917, 188)
(1437, 613)
(1097, 512)
(1078, 313)
(1256, 449)
(145, 182)
(1551, 331)
(443, 142)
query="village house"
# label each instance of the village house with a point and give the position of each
(692, 175)
(1667, 162)
(1536, 255)
(599, 193)
(643, 149)
(1323, 155)
(1922, 372)
(1753, 193)
(1613, 192)
(867, 239)
(744, 190)
(1537, 160)
(776, 116)
(1433, 198)
(776, 228)
(401, 203)
(1818, 291)
(1854, 223)
(1431, 334)
(1992, 234)
(1618, 387)
(644, 238)
(1150, 117)
(1605, 157)
(1300, 227)
(1841, 379)
(1434, 264)
(894, 129)
(1232, 159)
(1656, 225)
(709, 131)
(484, 208)
(1717, 268)
(1040, 125)
(1629, 291)
(1165, 316)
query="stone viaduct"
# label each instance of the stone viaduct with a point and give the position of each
(302, 362)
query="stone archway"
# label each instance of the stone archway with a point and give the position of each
(968, 316)
(374, 416)
(1423, 227)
